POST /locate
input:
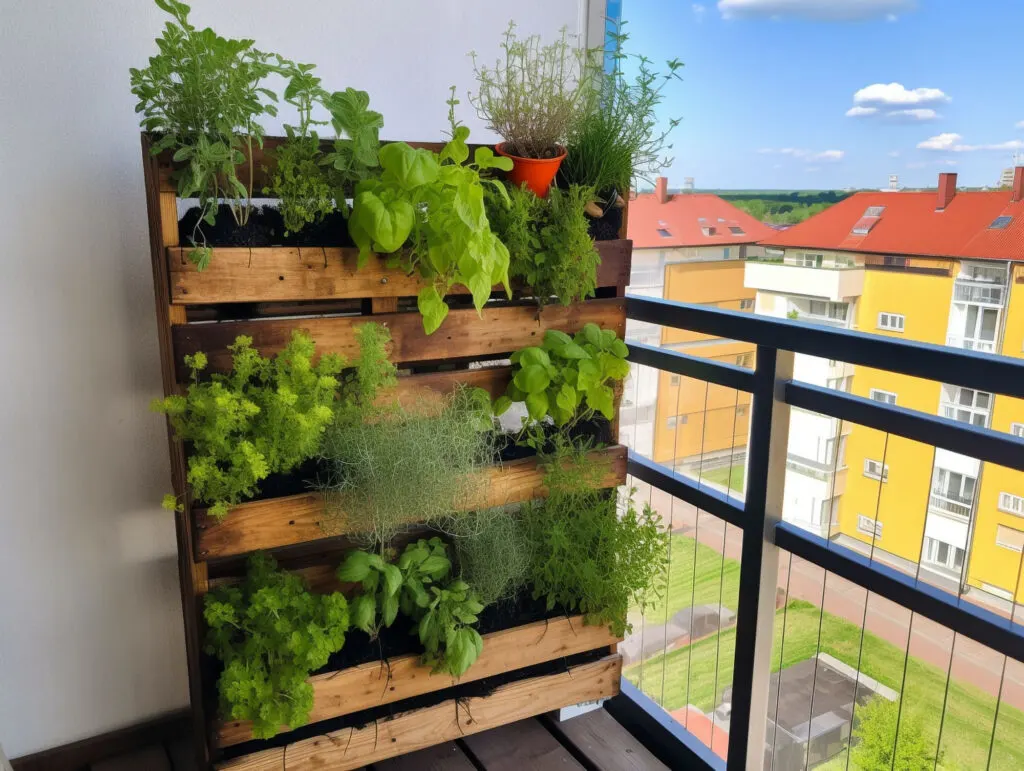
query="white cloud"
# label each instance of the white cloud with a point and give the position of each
(1021, 125)
(915, 114)
(861, 112)
(898, 95)
(818, 10)
(894, 153)
(892, 18)
(829, 155)
(950, 142)
(810, 156)
(699, 11)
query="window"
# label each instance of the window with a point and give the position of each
(726, 253)
(891, 321)
(745, 360)
(830, 449)
(746, 305)
(874, 211)
(1017, 429)
(839, 383)
(674, 380)
(966, 405)
(1011, 504)
(807, 260)
(1000, 223)
(869, 526)
(1009, 538)
(886, 397)
(741, 411)
(679, 420)
(664, 233)
(891, 261)
(736, 230)
(873, 469)
(823, 309)
(942, 554)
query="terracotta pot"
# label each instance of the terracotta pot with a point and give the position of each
(537, 173)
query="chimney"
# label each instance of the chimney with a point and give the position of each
(661, 189)
(947, 189)
(1018, 185)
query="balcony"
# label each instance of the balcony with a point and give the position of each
(835, 284)
(979, 292)
(804, 636)
(970, 343)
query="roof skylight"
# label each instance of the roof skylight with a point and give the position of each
(1000, 223)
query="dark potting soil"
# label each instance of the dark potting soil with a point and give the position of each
(596, 432)
(478, 688)
(606, 228)
(264, 228)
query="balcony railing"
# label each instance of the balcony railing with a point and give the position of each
(975, 292)
(970, 343)
(748, 706)
(948, 504)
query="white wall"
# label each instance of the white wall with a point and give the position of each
(90, 627)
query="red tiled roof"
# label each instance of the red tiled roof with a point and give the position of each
(681, 217)
(910, 225)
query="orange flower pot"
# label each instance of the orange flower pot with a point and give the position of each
(537, 173)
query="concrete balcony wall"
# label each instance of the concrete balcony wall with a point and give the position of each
(835, 284)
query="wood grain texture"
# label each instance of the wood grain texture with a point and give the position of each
(599, 738)
(373, 684)
(353, 748)
(516, 746)
(283, 274)
(296, 519)
(494, 333)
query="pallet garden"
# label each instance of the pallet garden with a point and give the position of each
(391, 402)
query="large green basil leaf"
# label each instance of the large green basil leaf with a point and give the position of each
(532, 379)
(410, 168)
(432, 307)
(387, 223)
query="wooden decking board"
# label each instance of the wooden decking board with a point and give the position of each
(605, 744)
(521, 746)
(153, 758)
(442, 757)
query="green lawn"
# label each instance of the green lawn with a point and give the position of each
(701, 581)
(731, 477)
(969, 711)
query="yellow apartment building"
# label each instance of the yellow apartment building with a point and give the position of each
(943, 267)
(691, 248)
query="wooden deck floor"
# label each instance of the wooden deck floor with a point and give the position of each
(591, 742)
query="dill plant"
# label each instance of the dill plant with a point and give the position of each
(549, 245)
(389, 468)
(493, 551)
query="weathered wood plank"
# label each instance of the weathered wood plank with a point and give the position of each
(294, 519)
(494, 333)
(373, 684)
(351, 748)
(600, 738)
(522, 745)
(283, 274)
(443, 757)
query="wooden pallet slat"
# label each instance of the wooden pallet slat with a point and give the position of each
(295, 519)
(494, 332)
(370, 685)
(353, 748)
(283, 274)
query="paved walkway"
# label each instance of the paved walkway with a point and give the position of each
(972, 662)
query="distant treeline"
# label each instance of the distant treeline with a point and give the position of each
(784, 208)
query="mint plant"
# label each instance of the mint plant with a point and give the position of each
(271, 633)
(434, 203)
(567, 378)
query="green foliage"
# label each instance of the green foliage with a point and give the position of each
(377, 604)
(394, 467)
(435, 203)
(550, 248)
(493, 550)
(780, 213)
(201, 96)
(271, 633)
(589, 554)
(618, 140)
(566, 378)
(877, 745)
(445, 629)
(535, 97)
(265, 416)
(422, 564)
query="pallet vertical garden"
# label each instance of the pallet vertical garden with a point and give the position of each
(267, 292)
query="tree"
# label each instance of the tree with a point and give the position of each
(877, 741)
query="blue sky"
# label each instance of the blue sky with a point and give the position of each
(838, 93)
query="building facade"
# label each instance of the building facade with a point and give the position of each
(690, 248)
(942, 267)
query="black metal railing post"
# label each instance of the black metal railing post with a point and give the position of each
(759, 566)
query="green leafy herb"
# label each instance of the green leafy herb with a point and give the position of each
(567, 378)
(265, 416)
(271, 633)
(377, 604)
(550, 248)
(493, 551)
(435, 203)
(445, 629)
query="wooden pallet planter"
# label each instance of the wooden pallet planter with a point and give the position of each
(268, 293)
(354, 748)
(370, 685)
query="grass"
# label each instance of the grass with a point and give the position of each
(695, 579)
(732, 477)
(699, 673)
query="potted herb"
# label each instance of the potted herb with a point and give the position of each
(533, 97)
(618, 139)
